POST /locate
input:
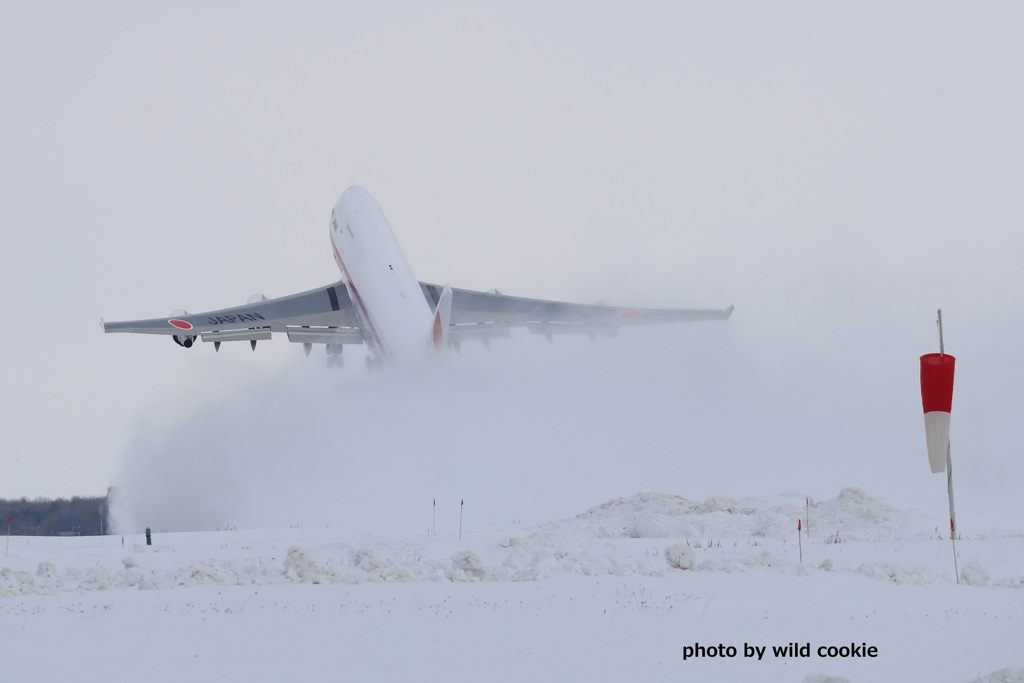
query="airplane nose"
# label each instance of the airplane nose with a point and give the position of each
(353, 199)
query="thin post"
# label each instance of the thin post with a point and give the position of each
(800, 541)
(807, 514)
(462, 504)
(434, 527)
(949, 487)
(952, 514)
(949, 472)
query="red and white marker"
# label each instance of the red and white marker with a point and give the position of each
(937, 399)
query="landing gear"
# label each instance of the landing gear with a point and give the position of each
(372, 363)
(334, 359)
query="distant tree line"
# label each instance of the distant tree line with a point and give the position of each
(78, 516)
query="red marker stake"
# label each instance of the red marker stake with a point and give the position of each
(800, 541)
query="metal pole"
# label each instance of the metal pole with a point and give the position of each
(952, 515)
(807, 512)
(949, 486)
(949, 472)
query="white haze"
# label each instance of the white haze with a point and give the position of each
(525, 432)
(522, 432)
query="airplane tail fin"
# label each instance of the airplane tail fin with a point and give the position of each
(442, 318)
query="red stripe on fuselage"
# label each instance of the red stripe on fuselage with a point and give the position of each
(438, 330)
(359, 301)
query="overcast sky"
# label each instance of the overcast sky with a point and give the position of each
(836, 171)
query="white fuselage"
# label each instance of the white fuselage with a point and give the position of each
(396, 318)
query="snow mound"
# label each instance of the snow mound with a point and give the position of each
(618, 517)
(974, 574)
(719, 535)
(855, 514)
(679, 556)
(852, 514)
(1014, 675)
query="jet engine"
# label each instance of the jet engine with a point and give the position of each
(183, 340)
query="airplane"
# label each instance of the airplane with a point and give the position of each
(379, 303)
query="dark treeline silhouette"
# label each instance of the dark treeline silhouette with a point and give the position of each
(60, 517)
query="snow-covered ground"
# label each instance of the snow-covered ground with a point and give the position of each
(620, 592)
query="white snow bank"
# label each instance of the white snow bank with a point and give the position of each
(852, 514)
(1015, 675)
(617, 538)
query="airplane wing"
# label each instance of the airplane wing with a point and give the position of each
(319, 316)
(487, 315)
(326, 316)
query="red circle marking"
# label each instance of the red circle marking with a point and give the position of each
(181, 324)
(629, 314)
